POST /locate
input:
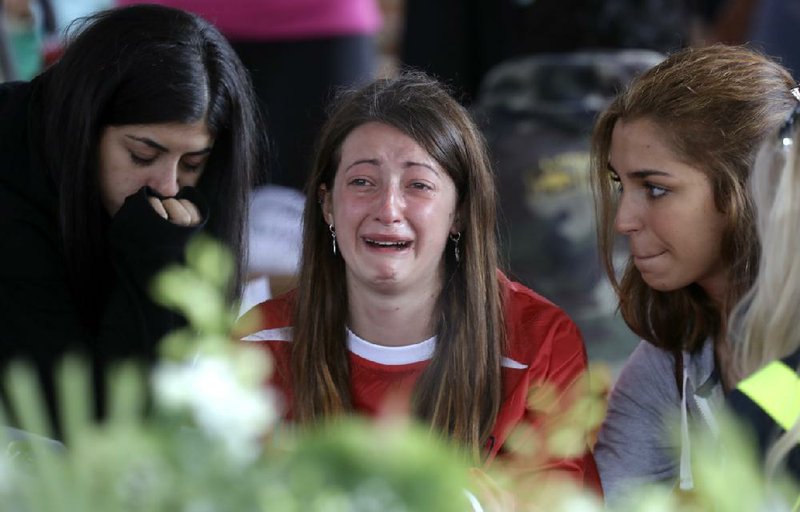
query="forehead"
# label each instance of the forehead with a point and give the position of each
(383, 142)
(640, 151)
(639, 142)
(639, 134)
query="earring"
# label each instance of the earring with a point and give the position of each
(333, 237)
(455, 237)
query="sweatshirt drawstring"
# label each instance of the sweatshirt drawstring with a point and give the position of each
(686, 480)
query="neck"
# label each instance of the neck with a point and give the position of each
(716, 288)
(392, 319)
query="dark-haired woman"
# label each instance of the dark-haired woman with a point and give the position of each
(141, 135)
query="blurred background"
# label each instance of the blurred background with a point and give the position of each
(535, 73)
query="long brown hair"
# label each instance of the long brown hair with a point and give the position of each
(714, 106)
(459, 392)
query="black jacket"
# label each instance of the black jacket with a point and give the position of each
(765, 428)
(40, 319)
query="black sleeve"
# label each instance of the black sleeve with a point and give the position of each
(754, 418)
(142, 244)
(762, 426)
(38, 312)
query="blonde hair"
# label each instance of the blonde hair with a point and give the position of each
(714, 106)
(764, 326)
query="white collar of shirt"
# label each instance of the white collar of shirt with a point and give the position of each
(382, 354)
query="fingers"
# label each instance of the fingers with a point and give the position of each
(181, 212)
(158, 207)
(178, 211)
(194, 212)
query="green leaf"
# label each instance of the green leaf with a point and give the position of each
(74, 391)
(127, 394)
(211, 260)
(48, 469)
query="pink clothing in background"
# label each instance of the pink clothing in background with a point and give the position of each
(264, 20)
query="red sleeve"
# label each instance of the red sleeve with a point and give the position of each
(543, 338)
(268, 326)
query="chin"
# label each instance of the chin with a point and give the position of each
(664, 285)
(384, 278)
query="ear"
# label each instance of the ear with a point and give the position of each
(456, 226)
(324, 198)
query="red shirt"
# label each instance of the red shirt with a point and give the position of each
(544, 346)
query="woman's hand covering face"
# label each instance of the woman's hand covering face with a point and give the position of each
(178, 211)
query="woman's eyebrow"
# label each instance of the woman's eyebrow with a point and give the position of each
(646, 173)
(155, 145)
(412, 163)
(150, 142)
(372, 161)
(641, 173)
(406, 164)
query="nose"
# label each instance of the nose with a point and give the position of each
(390, 205)
(164, 180)
(628, 218)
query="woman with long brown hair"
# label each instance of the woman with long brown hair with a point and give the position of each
(671, 159)
(399, 291)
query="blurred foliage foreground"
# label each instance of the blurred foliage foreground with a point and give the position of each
(213, 439)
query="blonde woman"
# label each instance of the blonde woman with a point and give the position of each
(765, 326)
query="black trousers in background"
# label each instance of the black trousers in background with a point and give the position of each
(294, 82)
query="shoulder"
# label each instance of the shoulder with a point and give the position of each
(268, 325)
(759, 391)
(270, 320)
(526, 308)
(30, 238)
(744, 407)
(793, 360)
(648, 356)
(535, 326)
(15, 98)
(649, 370)
(22, 172)
(11, 93)
(633, 445)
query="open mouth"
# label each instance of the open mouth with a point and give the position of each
(388, 244)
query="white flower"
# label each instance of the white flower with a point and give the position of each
(226, 409)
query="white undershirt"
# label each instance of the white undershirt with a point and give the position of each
(383, 354)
